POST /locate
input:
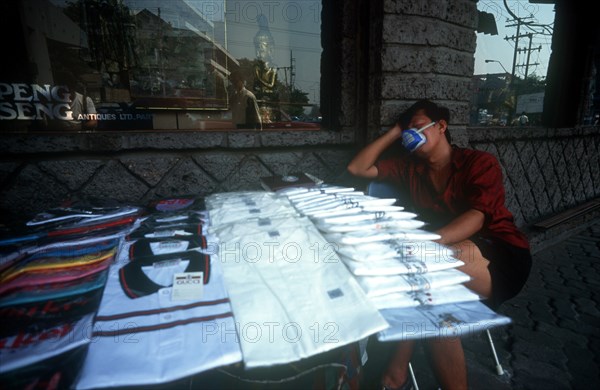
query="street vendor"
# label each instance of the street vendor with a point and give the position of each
(459, 192)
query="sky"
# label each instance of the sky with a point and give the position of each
(496, 47)
(295, 27)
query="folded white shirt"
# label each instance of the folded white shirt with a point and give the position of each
(399, 266)
(434, 321)
(239, 229)
(361, 237)
(392, 249)
(224, 199)
(320, 199)
(301, 192)
(436, 296)
(380, 285)
(290, 292)
(355, 209)
(383, 213)
(384, 224)
(344, 204)
(225, 215)
(154, 339)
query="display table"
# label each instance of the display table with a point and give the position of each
(246, 281)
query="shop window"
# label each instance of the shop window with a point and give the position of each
(101, 65)
(511, 62)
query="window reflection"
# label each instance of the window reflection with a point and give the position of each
(511, 62)
(166, 64)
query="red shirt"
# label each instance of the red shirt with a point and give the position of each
(475, 183)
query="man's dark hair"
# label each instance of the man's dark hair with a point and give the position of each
(236, 75)
(431, 109)
(67, 78)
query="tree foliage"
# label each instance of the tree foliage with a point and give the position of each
(109, 28)
(532, 84)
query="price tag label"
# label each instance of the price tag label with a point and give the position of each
(187, 286)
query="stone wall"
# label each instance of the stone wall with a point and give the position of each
(426, 52)
(38, 172)
(546, 171)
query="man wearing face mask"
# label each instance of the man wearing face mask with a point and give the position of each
(459, 192)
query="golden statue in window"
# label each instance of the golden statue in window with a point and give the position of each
(265, 71)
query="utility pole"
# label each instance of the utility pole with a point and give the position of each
(529, 50)
(516, 37)
(545, 30)
(519, 22)
(291, 68)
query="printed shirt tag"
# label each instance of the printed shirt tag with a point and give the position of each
(168, 246)
(166, 263)
(168, 233)
(187, 286)
(264, 221)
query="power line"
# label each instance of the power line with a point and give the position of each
(534, 29)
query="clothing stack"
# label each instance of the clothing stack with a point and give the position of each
(291, 295)
(410, 278)
(165, 313)
(113, 295)
(52, 274)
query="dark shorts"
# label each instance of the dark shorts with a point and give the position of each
(509, 268)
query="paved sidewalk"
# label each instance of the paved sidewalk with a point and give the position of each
(554, 340)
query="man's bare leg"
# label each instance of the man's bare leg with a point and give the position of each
(476, 266)
(397, 370)
(448, 362)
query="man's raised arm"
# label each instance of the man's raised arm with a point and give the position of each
(363, 164)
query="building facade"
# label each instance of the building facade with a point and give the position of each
(378, 58)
